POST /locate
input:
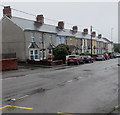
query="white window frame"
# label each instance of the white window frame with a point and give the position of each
(34, 54)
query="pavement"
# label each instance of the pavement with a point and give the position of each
(25, 69)
(87, 88)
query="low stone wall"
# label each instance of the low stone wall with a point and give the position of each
(45, 62)
(8, 64)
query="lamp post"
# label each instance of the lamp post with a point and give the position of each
(112, 38)
(111, 33)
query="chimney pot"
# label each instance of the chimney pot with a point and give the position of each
(75, 28)
(7, 11)
(99, 35)
(85, 31)
(40, 18)
(61, 25)
(93, 34)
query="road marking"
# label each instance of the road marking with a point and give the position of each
(3, 107)
(16, 107)
(8, 78)
(64, 113)
(69, 81)
(80, 77)
(23, 96)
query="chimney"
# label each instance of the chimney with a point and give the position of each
(7, 11)
(99, 35)
(75, 28)
(93, 34)
(61, 25)
(40, 18)
(85, 31)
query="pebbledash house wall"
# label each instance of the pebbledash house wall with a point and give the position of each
(0, 40)
(47, 39)
(13, 39)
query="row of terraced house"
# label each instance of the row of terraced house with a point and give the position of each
(33, 39)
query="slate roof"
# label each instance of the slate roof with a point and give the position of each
(51, 46)
(33, 45)
(26, 24)
(101, 40)
(78, 35)
(64, 32)
(107, 40)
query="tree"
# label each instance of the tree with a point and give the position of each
(117, 48)
(60, 52)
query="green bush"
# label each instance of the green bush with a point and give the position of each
(60, 52)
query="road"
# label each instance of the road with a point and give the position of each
(88, 88)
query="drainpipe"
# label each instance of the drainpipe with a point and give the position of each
(43, 45)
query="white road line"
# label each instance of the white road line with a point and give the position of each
(23, 97)
(80, 77)
(19, 98)
(69, 81)
(9, 78)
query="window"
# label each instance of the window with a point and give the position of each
(34, 54)
(32, 37)
(62, 40)
(31, 52)
(32, 57)
(51, 39)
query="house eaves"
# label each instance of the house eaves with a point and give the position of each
(40, 31)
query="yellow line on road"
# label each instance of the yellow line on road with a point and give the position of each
(64, 113)
(16, 107)
(3, 107)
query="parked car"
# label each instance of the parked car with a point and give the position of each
(94, 56)
(112, 55)
(117, 55)
(88, 59)
(100, 57)
(74, 59)
(107, 57)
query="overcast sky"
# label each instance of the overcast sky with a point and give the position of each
(103, 16)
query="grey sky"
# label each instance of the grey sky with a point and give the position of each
(101, 15)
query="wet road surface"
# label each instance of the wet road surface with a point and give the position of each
(88, 88)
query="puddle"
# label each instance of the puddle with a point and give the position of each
(87, 70)
(39, 90)
(60, 68)
(77, 78)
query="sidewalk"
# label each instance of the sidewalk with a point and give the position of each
(25, 69)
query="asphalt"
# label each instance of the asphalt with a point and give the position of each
(88, 88)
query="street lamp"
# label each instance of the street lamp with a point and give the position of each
(111, 33)
(112, 38)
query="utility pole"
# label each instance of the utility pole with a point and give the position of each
(91, 39)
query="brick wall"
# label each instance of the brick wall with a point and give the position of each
(8, 64)
(45, 62)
